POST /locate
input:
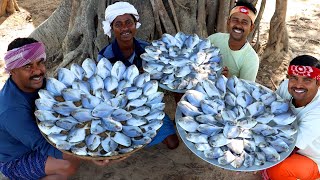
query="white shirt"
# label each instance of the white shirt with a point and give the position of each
(308, 117)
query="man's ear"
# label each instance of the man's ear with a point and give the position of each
(12, 71)
(318, 83)
(252, 26)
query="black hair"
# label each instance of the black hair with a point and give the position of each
(19, 42)
(305, 60)
(246, 4)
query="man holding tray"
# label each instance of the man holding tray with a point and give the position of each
(123, 19)
(302, 90)
(238, 57)
(24, 152)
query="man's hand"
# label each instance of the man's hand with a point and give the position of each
(225, 72)
(107, 161)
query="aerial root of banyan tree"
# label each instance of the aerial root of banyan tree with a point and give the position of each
(74, 31)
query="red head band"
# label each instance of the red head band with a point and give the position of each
(244, 10)
(307, 71)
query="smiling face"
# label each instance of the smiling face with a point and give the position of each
(29, 78)
(124, 28)
(239, 26)
(303, 89)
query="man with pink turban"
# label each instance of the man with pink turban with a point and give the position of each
(24, 152)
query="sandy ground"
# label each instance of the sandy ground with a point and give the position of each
(158, 162)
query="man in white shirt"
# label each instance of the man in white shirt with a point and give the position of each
(302, 90)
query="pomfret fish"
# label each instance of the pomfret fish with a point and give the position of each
(45, 94)
(89, 101)
(55, 86)
(121, 115)
(137, 102)
(48, 127)
(117, 70)
(150, 87)
(188, 123)
(66, 76)
(141, 141)
(131, 131)
(77, 134)
(122, 139)
(209, 130)
(64, 108)
(96, 82)
(140, 111)
(44, 115)
(131, 73)
(84, 86)
(82, 115)
(188, 109)
(108, 144)
(141, 79)
(70, 94)
(279, 107)
(104, 68)
(136, 121)
(111, 125)
(93, 141)
(110, 83)
(89, 66)
(197, 137)
(102, 110)
(66, 122)
(227, 158)
(96, 127)
(213, 153)
(44, 104)
(78, 71)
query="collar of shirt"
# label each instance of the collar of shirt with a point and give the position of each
(138, 50)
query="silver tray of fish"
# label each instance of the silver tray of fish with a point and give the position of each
(236, 124)
(99, 110)
(180, 62)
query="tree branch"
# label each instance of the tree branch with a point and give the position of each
(165, 19)
(156, 17)
(174, 14)
(201, 19)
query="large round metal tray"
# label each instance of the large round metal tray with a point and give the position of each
(214, 162)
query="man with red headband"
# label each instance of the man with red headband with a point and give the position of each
(24, 152)
(302, 90)
(238, 57)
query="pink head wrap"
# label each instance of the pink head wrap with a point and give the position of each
(21, 56)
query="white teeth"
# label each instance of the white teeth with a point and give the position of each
(237, 31)
(38, 78)
(299, 91)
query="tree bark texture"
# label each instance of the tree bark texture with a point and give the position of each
(8, 7)
(224, 9)
(74, 31)
(257, 22)
(277, 44)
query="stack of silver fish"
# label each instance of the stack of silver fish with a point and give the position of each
(237, 122)
(181, 61)
(97, 109)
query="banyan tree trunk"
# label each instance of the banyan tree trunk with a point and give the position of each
(74, 31)
(276, 51)
(8, 7)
